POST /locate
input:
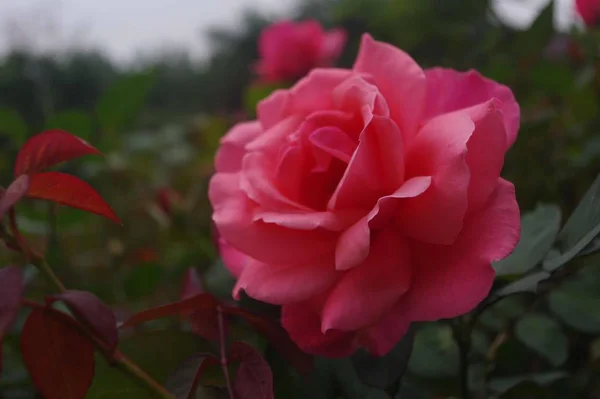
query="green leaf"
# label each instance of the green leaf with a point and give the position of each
(498, 316)
(382, 372)
(545, 336)
(581, 228)
(577, 301)
(538, 232)
(500, 385)
(143, 280)
(121, 103)
(350, 383)
(158, 353)
(12, 125)
(528, 283)
(435, 352)
(73, 121)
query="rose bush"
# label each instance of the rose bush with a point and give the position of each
(366, 199)
(289, 50)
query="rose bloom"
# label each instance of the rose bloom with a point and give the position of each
(364, 200)
(289, 50)
(589, 10)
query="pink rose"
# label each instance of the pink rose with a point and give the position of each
(366, 199)
(589, 10)
(289, 50)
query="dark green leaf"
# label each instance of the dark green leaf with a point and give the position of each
(545, 336)
(158, 353)
(435, 353)
(581, 228)
(538, 232)
(528, 283)
(577, 301)
(500, 385)
(382, 372)
(498, 316)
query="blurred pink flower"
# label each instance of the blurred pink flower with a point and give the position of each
(289, 50)
(365, 199)
(589, 10)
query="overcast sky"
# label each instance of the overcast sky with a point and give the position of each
(124, 27)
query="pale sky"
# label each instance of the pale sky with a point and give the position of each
(125, 27)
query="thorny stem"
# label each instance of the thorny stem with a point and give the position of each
(462, 335)
(114, 357)
(223, 352)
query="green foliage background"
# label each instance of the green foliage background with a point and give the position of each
(159, 124)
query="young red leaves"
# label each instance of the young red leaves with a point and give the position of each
(48, 149)
(254, 379)
(43, 151)
(59, 357)
(11, 291)
(91, 312)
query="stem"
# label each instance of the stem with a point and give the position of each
(223, 352)
(130, 367)
(462, 335)
(49, 273)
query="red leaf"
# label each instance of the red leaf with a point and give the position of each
(58, 356)
(254, 379)
(71, 191)
(11, 291)
(13, 194)
(197, 302)
(277, 337)
(93, 313)
(204, 322)
(50, 148)
(184, 381)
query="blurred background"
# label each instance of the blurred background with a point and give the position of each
(154, 84)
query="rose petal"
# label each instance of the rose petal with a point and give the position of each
(439, 151)
(310, 94)
(332, 46)
(280, 285)
(368, 291)
(376, 168)
(382, 337)
(230, 154)
(233, 215)
(485, 152)
(449, 90)
(234, 260)
(399, 78)
(354, 244)
(303, 324)
(451, 281)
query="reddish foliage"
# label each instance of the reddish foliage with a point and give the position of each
(11, 291)
(197, 302)
(92, 312)
(277, 337)
(13, 194)
(254, 379)
(184, 381)
(166, 197)
(203, 321)
(50, 148)
(71, 191)
(58, 356)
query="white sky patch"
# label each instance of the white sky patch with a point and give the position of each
(125, 28)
